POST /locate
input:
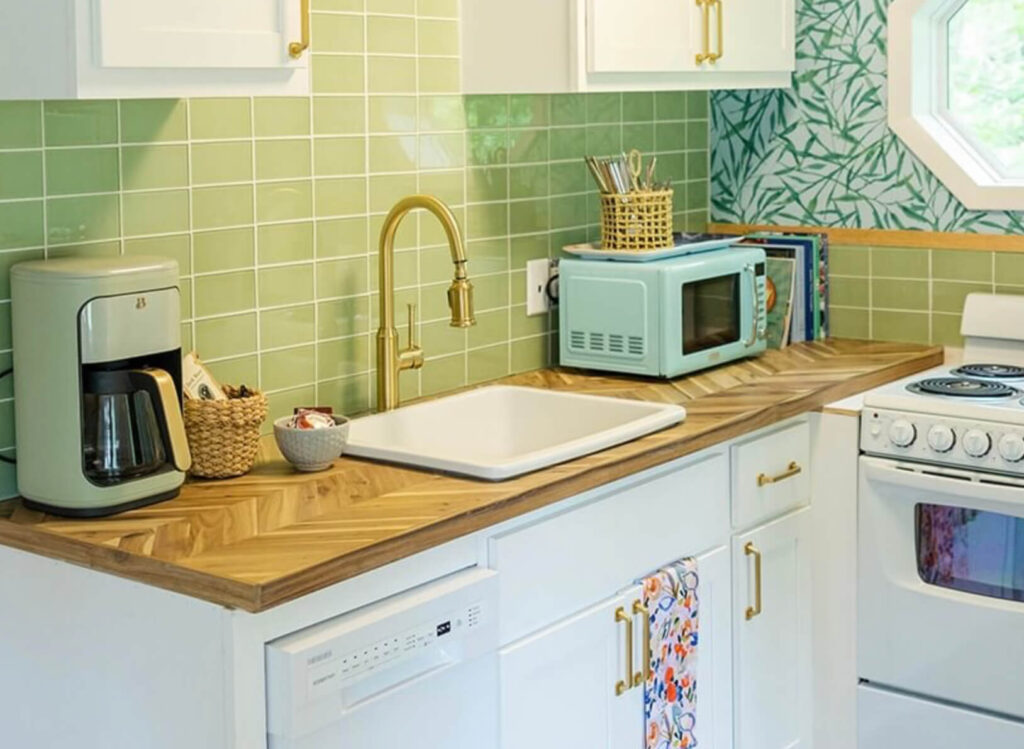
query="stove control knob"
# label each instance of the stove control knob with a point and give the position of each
(977, 443)
(941, 438)
(1011, 447)
(902, 433)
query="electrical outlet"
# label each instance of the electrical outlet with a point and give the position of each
(538, 275)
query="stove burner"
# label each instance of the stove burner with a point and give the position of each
(958, 387)
(991, 371)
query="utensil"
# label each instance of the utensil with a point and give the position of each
(649, 177)
(596, 173)
(636, 167)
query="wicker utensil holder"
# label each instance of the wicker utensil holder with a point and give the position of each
(638, 220)
(224, 436)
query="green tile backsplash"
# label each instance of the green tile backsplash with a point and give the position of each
(272, 206)
(899, 294)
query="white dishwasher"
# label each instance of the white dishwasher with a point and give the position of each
(417, 669)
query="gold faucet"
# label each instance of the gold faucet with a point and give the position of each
(390, 360)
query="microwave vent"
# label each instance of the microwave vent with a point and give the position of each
(598, 343)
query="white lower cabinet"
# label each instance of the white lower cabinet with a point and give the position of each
(772, 634)
(565, 686)
(578, 684)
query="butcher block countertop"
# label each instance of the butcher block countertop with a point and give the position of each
(275, 535)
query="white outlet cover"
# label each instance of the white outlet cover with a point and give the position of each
(537, 274)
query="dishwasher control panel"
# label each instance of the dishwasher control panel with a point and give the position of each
(336, 664)
(327, 668)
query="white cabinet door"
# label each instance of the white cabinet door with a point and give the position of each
(714, 650)
(641, 36)
(192, 33)
(752, 36)
(559, 686)
(772, 641)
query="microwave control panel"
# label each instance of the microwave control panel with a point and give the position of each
(762, 300)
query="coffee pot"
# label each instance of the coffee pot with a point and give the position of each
(97, 396)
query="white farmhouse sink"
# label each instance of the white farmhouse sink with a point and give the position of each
(501, 431)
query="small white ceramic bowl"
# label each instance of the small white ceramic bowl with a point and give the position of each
(311, 449)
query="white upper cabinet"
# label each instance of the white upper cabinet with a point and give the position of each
(152, 48)
(666, 45)
(756, 35)
(562, 46)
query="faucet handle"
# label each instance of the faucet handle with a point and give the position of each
(411, 357)
(413, 342)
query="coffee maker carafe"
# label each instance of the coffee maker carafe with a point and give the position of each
(97, 362)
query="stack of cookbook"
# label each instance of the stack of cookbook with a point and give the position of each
(798, 286)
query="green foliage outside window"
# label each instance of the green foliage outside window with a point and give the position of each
(986, 78)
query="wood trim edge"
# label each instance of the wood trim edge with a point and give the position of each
(931, 240)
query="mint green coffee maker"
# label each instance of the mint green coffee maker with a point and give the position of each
(97, 384)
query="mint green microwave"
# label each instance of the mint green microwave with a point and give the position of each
(663, 318)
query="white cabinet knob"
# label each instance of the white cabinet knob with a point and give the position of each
(977, 443)
(941, 438)
(902, 433)
(1011, 447)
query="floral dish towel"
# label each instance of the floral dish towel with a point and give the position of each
(670, 692)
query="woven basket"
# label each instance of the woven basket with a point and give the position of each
(639, 220)
(224, 436)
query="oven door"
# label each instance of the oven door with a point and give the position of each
(941, 583)
(712, 317)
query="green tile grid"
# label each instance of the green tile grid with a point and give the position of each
(273, 206)
(916, 295)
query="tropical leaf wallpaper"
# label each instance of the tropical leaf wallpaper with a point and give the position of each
(821, 153)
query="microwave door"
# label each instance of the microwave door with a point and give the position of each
(711, 313)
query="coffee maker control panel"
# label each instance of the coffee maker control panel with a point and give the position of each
(123, 327)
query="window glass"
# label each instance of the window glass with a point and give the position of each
(973, 551)
(986, 79)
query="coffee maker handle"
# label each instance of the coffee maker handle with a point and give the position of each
(162, 390)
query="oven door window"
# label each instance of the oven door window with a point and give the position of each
(711, 313)
(973, 551)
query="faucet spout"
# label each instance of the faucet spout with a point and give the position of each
(390, 360)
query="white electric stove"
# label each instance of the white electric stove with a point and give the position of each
(941, 546)
(970, 416)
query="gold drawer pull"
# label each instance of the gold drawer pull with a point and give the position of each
(641, 676)
(705, 6)
(763, 479)
(295, 49)
(623, 686)
(716, 56)
(751, 550)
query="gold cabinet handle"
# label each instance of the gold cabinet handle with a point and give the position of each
(705, 6)
(716, 56)
(627, 684)
(763, 479)
(295, 49)
(641, 676)
(752, 551)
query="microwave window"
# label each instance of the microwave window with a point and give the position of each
(973, 551)
(711, 313)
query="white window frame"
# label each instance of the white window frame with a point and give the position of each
(918, 111)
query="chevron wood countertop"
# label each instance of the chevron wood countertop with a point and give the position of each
(275, 535)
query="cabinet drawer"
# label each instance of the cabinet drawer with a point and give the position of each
(562, 564)
(770, 474)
